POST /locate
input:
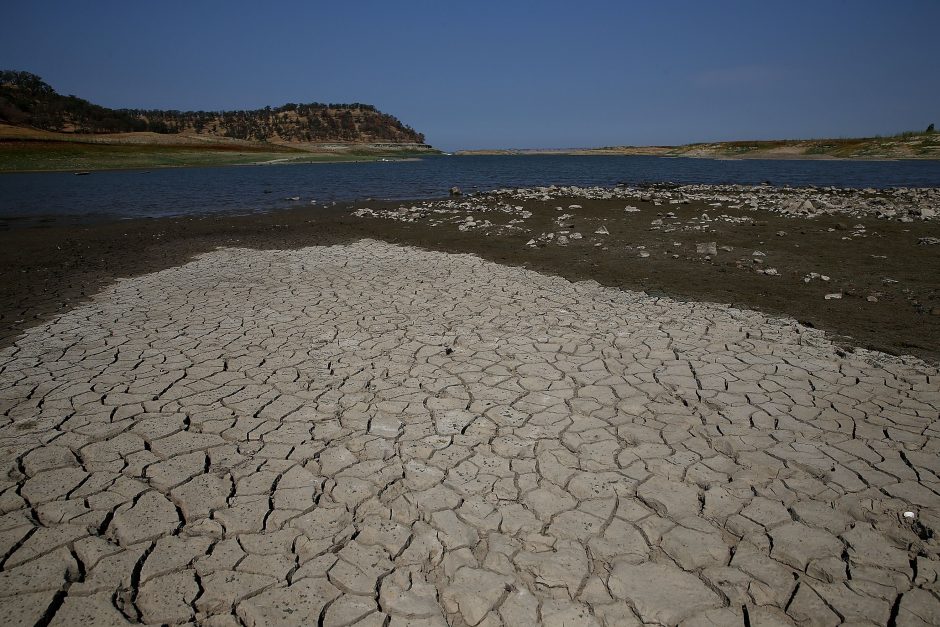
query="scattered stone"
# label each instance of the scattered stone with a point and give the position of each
(707, 248)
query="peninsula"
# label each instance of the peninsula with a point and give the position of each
(41, 129)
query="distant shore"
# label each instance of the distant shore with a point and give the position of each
(903, 146)
(30, 150)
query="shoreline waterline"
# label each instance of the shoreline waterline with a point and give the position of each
(212, 190)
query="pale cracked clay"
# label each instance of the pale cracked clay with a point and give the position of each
(371, 435)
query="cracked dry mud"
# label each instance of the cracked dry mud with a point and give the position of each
(372, 435)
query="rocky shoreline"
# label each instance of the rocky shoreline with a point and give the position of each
(764, 218)
(760, 247)
(903, 204)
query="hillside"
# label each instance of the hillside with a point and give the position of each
(902, 146)
(27, 101)
(924, 145)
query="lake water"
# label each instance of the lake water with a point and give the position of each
(196, 191)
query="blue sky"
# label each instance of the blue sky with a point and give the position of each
(511, 73)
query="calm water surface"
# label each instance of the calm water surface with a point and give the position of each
(197, 191)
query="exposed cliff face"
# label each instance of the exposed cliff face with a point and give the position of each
(288, 124)
(26, 100)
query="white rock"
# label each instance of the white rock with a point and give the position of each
(707, 248)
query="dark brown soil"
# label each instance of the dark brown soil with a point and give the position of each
(49, 268)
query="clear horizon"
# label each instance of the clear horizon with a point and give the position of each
(511, 75)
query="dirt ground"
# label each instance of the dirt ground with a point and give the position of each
(888, 282)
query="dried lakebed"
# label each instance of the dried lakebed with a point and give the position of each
(369, 434)
(765, 248)
(860, 263)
